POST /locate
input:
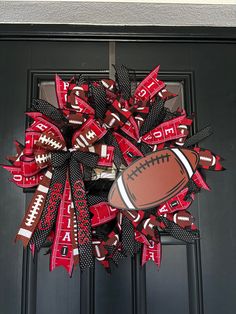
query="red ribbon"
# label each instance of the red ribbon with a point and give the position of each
(62, 250)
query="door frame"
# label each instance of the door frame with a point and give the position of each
(34, 32)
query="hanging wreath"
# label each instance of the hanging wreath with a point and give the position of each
(104, 137)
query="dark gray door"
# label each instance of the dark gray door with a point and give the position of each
(194, 278)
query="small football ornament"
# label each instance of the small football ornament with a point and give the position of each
(153, 179)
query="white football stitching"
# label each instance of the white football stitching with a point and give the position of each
(90, 134)
(42, 158)
(34, 211)
(49, 141)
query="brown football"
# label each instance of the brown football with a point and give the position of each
(153, 179)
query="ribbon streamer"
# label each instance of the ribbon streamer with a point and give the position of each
(61, 163)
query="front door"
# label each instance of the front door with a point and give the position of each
(193, 279)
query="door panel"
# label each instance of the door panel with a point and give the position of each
(13, 100)
(57, 293)
(20, 275)
(113, 292)
(213, 67)
(171, 279)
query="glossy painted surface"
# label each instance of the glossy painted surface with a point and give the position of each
(204, 61)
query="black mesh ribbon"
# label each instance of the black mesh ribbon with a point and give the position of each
(179, 233)
(49, 111)
(118, 156)
(128, 241)
(123, 80)
(198, 137)
(154, 117)
(100, 103)
(61, 163)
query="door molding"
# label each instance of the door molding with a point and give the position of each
(117, 33)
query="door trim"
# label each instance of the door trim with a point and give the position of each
(117, 33)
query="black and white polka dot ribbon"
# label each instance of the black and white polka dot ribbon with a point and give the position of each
(179, 233)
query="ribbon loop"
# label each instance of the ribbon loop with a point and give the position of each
(48, 110)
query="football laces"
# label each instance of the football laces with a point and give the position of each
(35, 209)
(50, 142)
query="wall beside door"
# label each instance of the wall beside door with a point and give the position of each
(218, 13)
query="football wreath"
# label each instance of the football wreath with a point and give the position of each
(112, 168)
